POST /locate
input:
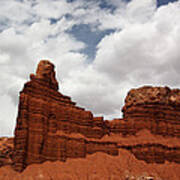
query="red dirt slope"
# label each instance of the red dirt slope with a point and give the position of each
(98, 166)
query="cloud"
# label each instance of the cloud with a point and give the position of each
(8, 112)
(144, 51)
(22, 48)
(143, 48)
(135, 9)
(52, 9)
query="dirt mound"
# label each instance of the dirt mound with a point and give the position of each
(98, 166)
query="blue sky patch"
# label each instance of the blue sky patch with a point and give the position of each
(103, 4)
(164, 2)
(106, 4)
(83, 32)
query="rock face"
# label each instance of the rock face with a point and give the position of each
(51, 127)
(154, 108)
(45, 120)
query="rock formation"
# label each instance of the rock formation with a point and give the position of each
(154, 108)
(45, 120)
(51, 127)
(6, 151)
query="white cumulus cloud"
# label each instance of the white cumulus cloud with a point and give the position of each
(143, 49)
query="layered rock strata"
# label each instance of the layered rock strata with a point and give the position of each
(51, 127)
(154, 153)
(154, 108)
(43, 113)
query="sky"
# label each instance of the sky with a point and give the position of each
(101, 49)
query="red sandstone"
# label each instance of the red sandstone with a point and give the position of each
(51, 127)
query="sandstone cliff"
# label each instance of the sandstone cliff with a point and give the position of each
(51, 127)
(46, 118)
(153, 108)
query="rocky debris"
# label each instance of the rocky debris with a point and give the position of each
(6, 151)
(51, 127)
(131, 177)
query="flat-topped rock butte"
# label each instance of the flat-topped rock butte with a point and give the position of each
(51, 127)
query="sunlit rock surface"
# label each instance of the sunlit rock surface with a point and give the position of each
(51, 127)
